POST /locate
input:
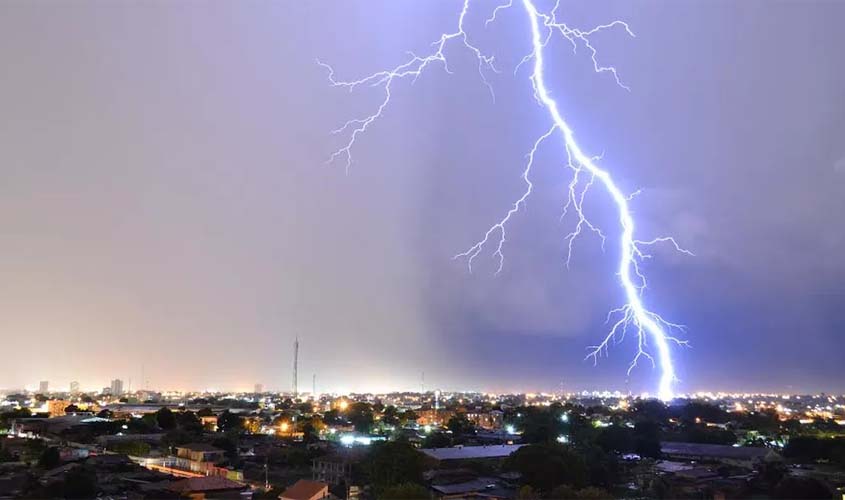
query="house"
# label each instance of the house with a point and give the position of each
(199, 488)
(199, 452)
(335, 468)
(306, 490)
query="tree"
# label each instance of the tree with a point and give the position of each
(539, 425)
(71, 408)
(144, 425)
(205, 412)
(545, 466)
(405, 491)
(592, 493)
(333, 417)
(6, 456)
(437, 440)
(165, 419)
(230, 422)
(229, 445)
(311, 428)
(79, 483)
(650, 410)
(361, 416)
(807, 488)
(408, 416)
(694, 410)
(647, 439)
(188, 422)
(695, 433)
(393, 462)
(562, 492)
(616, 438)
(7, 417)
(390, 416)
(526, 493)
(459, 424)
(772, 471)
(49, 458)
(602, 467)
(134, 448)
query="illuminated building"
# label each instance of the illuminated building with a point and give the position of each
(199, 452)
(116, 387)
(56, 407)
(43, 386)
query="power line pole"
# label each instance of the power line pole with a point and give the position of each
(295, 367)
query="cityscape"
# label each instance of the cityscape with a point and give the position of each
(418, 250)
(296, 445)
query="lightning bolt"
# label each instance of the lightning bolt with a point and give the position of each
(650, 328)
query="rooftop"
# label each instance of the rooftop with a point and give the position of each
(713, 450)
(304, 490)
(470, 452)
(482, 487)
(205, 447)
(205, 483)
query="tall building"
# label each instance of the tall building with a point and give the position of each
(44, 387)
(259, 388)
(74, 387)
(116, 387)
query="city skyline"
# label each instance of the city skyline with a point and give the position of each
(165, 201)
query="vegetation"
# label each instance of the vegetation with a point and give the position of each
(134, 448)
(49, 458)
(361, 417)
(393, 463)
(810, 449)
(546, 466)
(405, 491)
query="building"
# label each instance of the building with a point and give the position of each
(56, 407)
(306, 490)
(491, 420)
(116, 387)
(259, 389)
(74, 387)
(199, 452)
(434, 417)
(44, 387)
(471, 452)
(741, 456)
(488, 488)
(207, 487)
(335, 468)
(209, 422)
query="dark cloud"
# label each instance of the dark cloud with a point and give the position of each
(165, 200)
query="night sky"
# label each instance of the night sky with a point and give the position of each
(165, 206)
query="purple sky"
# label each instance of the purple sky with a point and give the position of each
(165, 204)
